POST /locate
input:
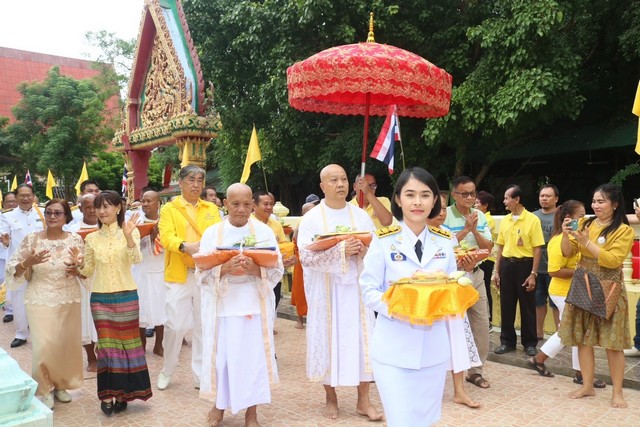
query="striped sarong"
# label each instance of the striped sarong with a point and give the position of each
(122, 366)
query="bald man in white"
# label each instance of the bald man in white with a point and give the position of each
(339, 326)
(238, 311)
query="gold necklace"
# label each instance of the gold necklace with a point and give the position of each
(601, 224)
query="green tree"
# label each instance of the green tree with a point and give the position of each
(106, 169)
(59, 124)
(520, 69)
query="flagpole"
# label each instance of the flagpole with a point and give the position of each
(266, 187)
(401, 146)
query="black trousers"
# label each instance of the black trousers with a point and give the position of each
(512, 276)
(487, 268)
(277, 291)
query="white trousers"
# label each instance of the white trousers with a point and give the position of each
(183, 313)
(241, 364)
(553, 346)
(19, 312)
(410, 397)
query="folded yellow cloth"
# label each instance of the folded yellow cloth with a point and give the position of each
(422, 304)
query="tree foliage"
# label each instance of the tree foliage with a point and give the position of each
(519, 67)
(59, 125)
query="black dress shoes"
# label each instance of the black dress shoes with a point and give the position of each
(17, 342)
(531, 351)
(504, 349)
(149, 332)
(7, 318)
(119, 406)
(107, 408)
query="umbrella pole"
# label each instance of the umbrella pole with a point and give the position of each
(365, 141)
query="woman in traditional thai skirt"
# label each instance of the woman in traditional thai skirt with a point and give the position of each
(603, 242)
(110, 252)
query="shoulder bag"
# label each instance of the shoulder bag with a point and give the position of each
(598, 297)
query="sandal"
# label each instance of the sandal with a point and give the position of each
(540, 368)
(477, 380)
(597, 383)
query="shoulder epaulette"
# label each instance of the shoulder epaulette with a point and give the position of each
(388, 231)
(440, 232)
(74, 208)
(7, 210)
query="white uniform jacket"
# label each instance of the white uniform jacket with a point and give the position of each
(392, 256)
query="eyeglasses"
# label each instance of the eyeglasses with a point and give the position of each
(56, 214)
(466, 194)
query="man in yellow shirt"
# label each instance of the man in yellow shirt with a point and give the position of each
(519, 244)
(378, 208)
(262, 211)
(182, 223)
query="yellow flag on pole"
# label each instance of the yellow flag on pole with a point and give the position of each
(50, 184)
(185, 155)
(14, 184)
(84, 175)
(636, 110)
(253, 155)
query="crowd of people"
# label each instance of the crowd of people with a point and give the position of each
(85, 277)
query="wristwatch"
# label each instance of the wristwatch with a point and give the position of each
(181, 247)
(534, 273)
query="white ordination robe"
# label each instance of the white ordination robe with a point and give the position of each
(339, 326)
(227, 299)
(149, 276)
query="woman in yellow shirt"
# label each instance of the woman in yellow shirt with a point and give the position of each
(109, 253)
(561, 270)
(603, 243)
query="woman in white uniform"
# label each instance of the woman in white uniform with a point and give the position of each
(409, 362)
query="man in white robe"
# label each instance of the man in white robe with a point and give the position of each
(149, 275)
(339, 326)
(88, 221)
(238, 311)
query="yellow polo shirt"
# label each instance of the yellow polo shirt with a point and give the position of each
(559, 286)
(369, 209)
(518, 237)
(274, 225)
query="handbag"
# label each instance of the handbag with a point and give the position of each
(29, 271)
(598, 297)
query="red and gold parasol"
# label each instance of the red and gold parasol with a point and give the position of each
(364, 79)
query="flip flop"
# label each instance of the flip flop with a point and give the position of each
(477, 380)
(540, 368)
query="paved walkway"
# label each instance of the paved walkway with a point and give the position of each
(517, 397)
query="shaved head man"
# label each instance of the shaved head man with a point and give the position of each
(238, 323)
(338, 325)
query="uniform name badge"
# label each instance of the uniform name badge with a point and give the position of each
(398, 256)
(440, 255)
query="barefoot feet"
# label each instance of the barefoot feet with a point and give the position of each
(92, 366)
(465, 399)
(582, 392)
(617, 401)
(367, 410)
(215, 417)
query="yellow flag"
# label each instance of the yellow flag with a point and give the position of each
(84, 175)
(253, 155)
(14, 184)
(185, 155)
(50, 184)
(636, 110)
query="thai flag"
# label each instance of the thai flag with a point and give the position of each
(385, 145)
(124, 181)
(27, 179)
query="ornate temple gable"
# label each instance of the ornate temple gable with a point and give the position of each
(165, 102)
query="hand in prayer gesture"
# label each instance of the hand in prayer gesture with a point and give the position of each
(76, 261)
(240, 264)
(353, 246)
(5, 239)
(467, 263)
(34, 257)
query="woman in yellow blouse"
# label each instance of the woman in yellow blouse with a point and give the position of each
(603, 243)
(110, 252)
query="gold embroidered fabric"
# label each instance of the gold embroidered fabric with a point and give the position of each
(48, 285)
